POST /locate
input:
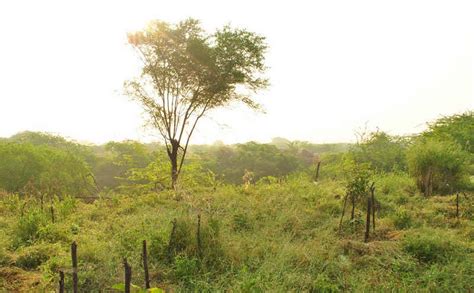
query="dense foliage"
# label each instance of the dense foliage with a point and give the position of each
(187, 72)
(269, 237)
(383, 152)
(42, 170)
(438, 165)
(266, 224)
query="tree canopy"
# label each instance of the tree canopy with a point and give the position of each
(384, 153)
(43, 170)
(458, 127)
(187, 72)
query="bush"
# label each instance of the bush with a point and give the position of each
(395, 184)
(27, 230)
(32, 257)
(185, 268)
(241, 222)
(402, 219)
(383, 152)
(323, 284)
(437, 165)
(432, 245)
(53, 233)
(5, 258)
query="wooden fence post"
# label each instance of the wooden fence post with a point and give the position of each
(343, 211)
(74, 267)
(128, 275)
(171, 241)
(61, 282)
(372, 191)
(353, 200)
(367, 223)
(198, 236)
(51, 208)
(145, 265)
(457, 205)
(317, 171)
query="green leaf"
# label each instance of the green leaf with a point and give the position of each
(120, 287)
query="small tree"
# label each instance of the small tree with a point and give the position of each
(357, 181)
(437, 164)
(186, 73)
(383, 152)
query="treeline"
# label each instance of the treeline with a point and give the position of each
(52, 164)
(439, 159)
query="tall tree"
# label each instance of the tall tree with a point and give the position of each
(186, 73)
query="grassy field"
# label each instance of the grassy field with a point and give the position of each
(267, 237)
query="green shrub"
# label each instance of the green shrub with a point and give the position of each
(437, 165)
(456, 276)
(31, 257)
(399, 183)
(158, 246)
(5, 257)
(324, 284)
(402, 219)
(241, 222)
(185, 268)
(330, 206)
(432, 245)
(53, 233)
(56, 262)
(27, 229)
(183, 237)
(66, 206)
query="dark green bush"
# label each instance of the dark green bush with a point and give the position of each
(241, 222)
(28, 228)
(32, 257)
(323, 284)
(185, 268)
(432, 245)
(402, 219)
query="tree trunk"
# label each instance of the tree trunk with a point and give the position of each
(353, 206)
(173, 155)
(430, 190)
(428, 183)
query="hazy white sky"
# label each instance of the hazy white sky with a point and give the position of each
(334, 65)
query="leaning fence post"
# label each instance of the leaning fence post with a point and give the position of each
(74, 267)
(128, 275)
(317, 171)
(171, 241)
(343, 211)
(145, 265)
(61, 282)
